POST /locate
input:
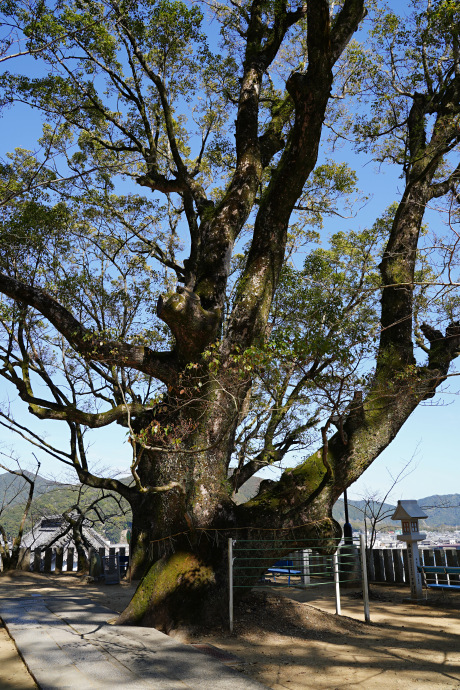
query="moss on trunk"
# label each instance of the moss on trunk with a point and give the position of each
(172, 593)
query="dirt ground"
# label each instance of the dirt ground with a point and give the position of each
(291, 638)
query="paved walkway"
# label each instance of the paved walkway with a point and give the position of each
(67, 644)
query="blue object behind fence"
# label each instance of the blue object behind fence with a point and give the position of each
(284, 567)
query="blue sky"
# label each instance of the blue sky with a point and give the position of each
(429, 435)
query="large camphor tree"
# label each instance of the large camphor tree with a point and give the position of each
(179, 311)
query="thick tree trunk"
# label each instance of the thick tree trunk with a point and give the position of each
(180, 536)
(186, 586)
(178, 547)
(183, 511)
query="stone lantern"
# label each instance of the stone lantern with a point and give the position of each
(409, 512)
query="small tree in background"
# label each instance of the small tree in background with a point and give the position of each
(10, 556)
(82, 514)
(374, 509)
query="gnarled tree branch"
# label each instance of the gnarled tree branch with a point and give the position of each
(91, 346)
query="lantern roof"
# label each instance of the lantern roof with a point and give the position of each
(408, 509)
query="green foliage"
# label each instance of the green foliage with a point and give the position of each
(408, 53)
(92, 254)
(328, 307)
(107, 92)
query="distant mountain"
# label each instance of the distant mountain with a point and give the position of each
(54, 497)
(443, 512)
(356, 512)
(14, 490)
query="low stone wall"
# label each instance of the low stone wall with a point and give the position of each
(390, 565)
(58, 560)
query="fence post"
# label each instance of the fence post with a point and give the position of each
(37, 560)
(405, 566)
(452, 562)
(111, 562)
(379, 569)
(335, 560)
(398, 565)
(440, 559)
(370, 569)
(389, 565)
(24, 559)
(305, 577)
(70, 556)
(59, 560)
(362, 542)
(428, 559)
(48, 558)
(230, 583)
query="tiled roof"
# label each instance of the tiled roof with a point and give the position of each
(48, 528)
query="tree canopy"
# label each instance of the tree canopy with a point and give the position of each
(164, 264)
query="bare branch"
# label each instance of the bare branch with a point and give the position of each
(90, 345)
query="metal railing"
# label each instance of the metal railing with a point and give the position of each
(252, 565)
